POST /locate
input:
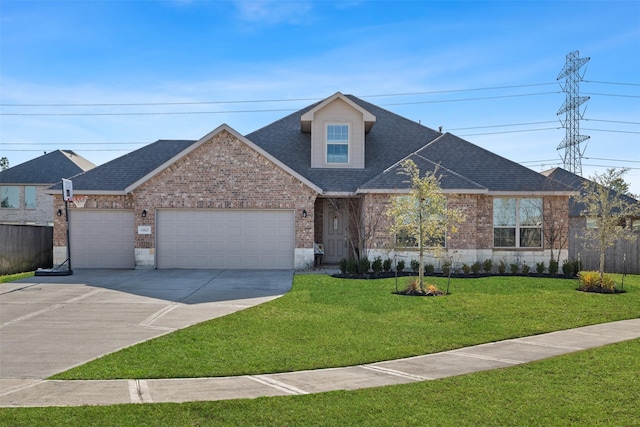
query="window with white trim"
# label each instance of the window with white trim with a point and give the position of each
(10, 197)
(517, 223)
(337, 143)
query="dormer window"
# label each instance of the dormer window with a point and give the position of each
(337, 143)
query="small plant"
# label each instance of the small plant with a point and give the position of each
(540, 268)
(432, 290)
(525, 268)
(476, 267)
(352, 266)
(386, 265)
(446, 268)
(343, 265)
(577, 267)
(400, 266)
(466, 269)
(502, 267)
(567, 268)
(376, 265)
(608, 284)
(429, 269)
(514, 267)
(590, 281)
(364, 265)
(553, 267)
(487, 265)
(415, 265)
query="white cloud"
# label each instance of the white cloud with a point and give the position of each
(272, 12)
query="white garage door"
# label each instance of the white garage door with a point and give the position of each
(236, 239)
(102, 238)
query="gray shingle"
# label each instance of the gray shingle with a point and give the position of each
(47, 169)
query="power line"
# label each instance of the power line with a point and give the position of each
(612, 83)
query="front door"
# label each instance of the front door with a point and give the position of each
(335, 242)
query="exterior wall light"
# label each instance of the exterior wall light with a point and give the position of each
(304, 213)
(59, 213)
(144, 213)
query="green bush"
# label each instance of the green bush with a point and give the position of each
(352, 266)
(553, 267)
(466, 269)
(476, 267)
(567, 267)
(514, 267)
(577, 267)
(343, 265)
(400, 265)
(525, 268)
(364, 265)
(502, 267)
(487, 265)
(386, 265)
(376, 265)
(446, 268)
(429, 269)
(415, 265)
(540, 268)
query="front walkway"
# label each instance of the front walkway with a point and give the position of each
(23, 393)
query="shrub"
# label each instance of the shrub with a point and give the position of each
(429, 269)
(567, 267)
(386, 265)
(343, 265)
(553, 267)
(446, 268)
(577, 267)
(608, 283)
(476, 267)
(376, 265)
(415, 265)
(591, 281)
(525, 268)
(352, 266)
(466, 269)
(502, 267)
(487, 265)
(400, 265)
(364, 265)
(514, 268)
(540, 268)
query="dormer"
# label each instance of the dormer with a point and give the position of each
(338, 127)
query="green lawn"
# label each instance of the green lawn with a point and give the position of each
(588, 388)
(328, 322)
(11, 277)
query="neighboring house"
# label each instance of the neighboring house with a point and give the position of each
(622, 252)
(23, 196)
(262, 200)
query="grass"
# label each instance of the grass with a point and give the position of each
(11, 277)
(592, 387)
(328, 322)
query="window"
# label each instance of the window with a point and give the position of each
(517, 223)
(10, 197)
(433, 221)
(337, 143)
(29, 197)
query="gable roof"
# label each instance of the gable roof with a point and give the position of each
(126, 173)
(306, 119)
(464, 166)
(579, 184)
(46, 169)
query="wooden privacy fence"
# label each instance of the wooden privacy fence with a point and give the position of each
(623, 257)
(25, 248)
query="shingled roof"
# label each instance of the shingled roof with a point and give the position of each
(47, 169)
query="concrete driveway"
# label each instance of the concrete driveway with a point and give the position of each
(50, 324)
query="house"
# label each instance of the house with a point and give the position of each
(321, 174)
(624, 256)
(23, 188)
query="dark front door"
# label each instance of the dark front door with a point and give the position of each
(335, 227)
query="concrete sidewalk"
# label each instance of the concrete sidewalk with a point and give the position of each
(25, 393)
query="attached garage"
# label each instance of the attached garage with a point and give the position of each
(102, 238)
(225, 239)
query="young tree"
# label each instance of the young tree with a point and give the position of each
(4, 163)
(423, 214)
(609, 210)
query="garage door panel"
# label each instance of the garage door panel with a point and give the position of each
(102, 239)
(225, 239)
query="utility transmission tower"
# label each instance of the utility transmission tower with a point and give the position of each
(571, 108)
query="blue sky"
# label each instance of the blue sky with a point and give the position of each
(106, 77)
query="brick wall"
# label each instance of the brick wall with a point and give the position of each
(225, 173)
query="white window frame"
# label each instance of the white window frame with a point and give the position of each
(14, 188)
(517, 226)
(337, 143)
